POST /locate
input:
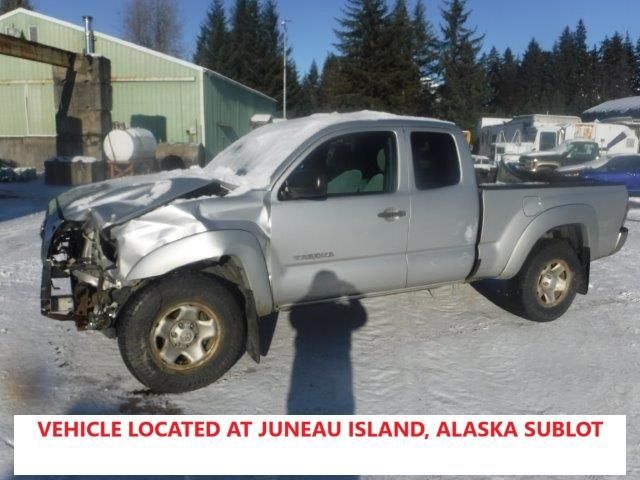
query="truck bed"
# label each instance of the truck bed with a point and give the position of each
(597, 212)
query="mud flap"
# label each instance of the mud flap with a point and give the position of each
(585, 262)
(253, 330)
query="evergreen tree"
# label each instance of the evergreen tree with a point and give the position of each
(633, 62)
(463, 91)
(492, 64)
(269, 61)
(361, 43)
(507, 99)
(564, 68)
(534, 83)
(585, 72)
(595, 95)
(310, 92)
(245, 39)
(212, 47)
(402, 72)
(617, 73)
(332, 84)
(8, 5)
(294, 90)
(636, 88)
(425, 58)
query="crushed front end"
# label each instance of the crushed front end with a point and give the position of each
(79, 277)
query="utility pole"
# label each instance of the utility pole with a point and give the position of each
(284, 71)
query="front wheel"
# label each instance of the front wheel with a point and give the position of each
(181, 333)
(546, 285)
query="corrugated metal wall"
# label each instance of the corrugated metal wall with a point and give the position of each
(149, 90)
(228, 110)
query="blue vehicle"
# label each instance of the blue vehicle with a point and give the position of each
(624, 169)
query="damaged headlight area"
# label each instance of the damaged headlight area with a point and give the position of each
(80, 282)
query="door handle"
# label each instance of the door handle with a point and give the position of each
(392, 214)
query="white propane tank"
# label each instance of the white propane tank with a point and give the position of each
(130, 145)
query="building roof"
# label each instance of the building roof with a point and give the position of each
(135, 46)
(621, 107)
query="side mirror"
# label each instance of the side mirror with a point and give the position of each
(307, 184)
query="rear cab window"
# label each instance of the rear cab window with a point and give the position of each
(436, 163)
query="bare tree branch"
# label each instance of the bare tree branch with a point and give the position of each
(154, 24)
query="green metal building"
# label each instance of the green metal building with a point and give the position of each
(180, 102)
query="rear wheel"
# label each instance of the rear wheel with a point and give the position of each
(181, 333)
(546, 285)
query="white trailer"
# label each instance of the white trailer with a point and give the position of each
(612, 138)
(533, 133)
(524, 134)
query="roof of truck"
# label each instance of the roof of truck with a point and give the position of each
(253, 160)
(365, 115)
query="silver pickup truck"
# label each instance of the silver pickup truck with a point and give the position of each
(181, 266)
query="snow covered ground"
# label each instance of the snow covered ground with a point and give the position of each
(450, 353)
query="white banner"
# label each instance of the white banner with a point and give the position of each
(320, 445)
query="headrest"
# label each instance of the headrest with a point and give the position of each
(382, 160)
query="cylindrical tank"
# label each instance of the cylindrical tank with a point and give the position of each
(123, 146)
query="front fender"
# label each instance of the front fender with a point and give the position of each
(583, 216)
(238, 244)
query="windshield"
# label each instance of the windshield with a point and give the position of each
(251, 161)
(577, 148)
(547, 141)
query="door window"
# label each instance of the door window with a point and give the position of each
(624, 164)
(356, 164)
(435, 160)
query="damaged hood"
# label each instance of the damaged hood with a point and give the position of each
(118, 201)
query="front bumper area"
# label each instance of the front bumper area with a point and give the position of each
(58, 307)
(75, 285)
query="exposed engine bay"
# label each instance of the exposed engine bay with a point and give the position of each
(83, 259)
(82, 280)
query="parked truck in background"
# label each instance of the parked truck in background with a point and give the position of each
(530, 134)
(572, 152)
(181, 266)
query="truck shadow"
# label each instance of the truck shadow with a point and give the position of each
(498, 293)
(321, 377)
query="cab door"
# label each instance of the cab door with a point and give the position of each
(354, 240)
(444, 209)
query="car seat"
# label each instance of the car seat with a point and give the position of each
(347, 179)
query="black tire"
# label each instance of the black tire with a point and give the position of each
(139, 322)
(525, 289)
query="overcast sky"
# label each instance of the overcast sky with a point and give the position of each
(505, 23)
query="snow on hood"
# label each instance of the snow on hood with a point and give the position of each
(117, 201)
(251, 162)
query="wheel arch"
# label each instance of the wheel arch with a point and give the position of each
(575, 224)
(238, 247)
(232, 255)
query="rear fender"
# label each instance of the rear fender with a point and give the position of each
(581, 216)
